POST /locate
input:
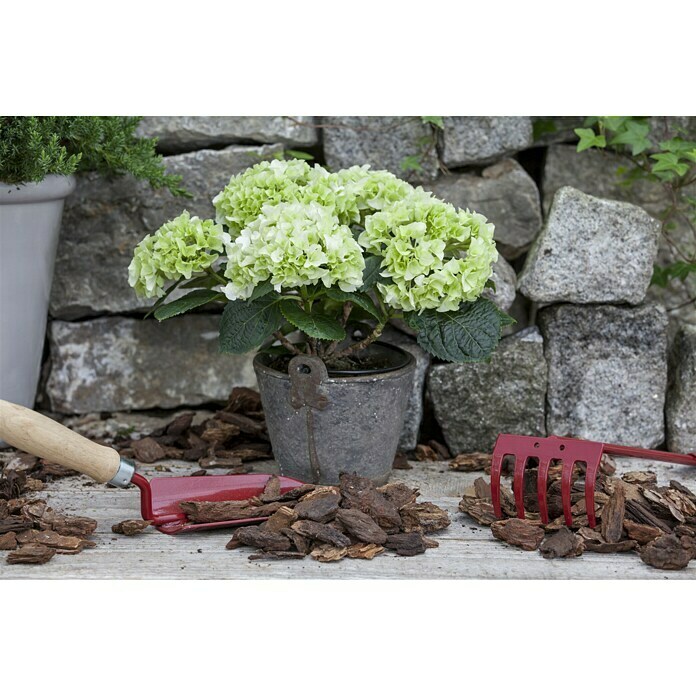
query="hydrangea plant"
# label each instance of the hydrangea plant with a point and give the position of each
(296, 247)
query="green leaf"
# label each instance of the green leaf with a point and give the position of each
(411, 163)
(470, 334)
(184, 304)
(357, 298)
(436, 121)
(635, 134)
(542, 126)
(668, 162)
(314, 324)
(298, 154)
(205, 281)
(588, 139)
(680, 270)
(261, 290)
(371, 274)
(245, 325)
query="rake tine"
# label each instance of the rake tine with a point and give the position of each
(590, 480)
(566, 478)
(542, 478)
(496, 470)
(520, 464)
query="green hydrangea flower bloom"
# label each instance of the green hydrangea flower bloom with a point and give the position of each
(266, 183)
(180, 248)
(436, 256)
(293, 245)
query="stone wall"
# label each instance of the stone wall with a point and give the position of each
(588, 356)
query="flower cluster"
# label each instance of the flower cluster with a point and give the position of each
(435, 256)
(181, 247)
(292, 245)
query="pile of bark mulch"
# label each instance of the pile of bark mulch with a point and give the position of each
(234, 436)
(634, 515)
(354, 519)
(30, 530)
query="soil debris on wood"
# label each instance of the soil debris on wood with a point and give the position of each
(130, 527)
(354, 520)
(31, 530)
(634, 514)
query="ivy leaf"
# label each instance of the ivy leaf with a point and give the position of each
(245, 325)
(371, 274)
(298, 154)
(411, 163)
(588, 139)
(314, 325)
(668, 163)
(542, 126)
(357, 298)
(680, 270)
(470, 334)
(635, 134)
(184, 304)
(436, 121)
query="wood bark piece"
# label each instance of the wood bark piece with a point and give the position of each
(198, 511)
(364, 551)
(480, 510)
(326, 553)
(613, 515)
(148, 450)
(319, 508)
(302, 543)
(180, 424)
(62, 544)
(243, 400)
(426, 517)
(321, 532)
(276, 556)
(130, 527)
(33, 554)
(297, 493)
(242, 423)
(642, 533)
(359, 493)
(271, 491)
(401, 462)
(361, 526)
(14, 523)
(69, 525)
(399, 494)
(640, 478)
(262, 539)
(667, 553)
(606, 547)
(639, 512)
(235, 464)
(522, 533)
(8, 541)
(218, 433)
(562, 544)
(407, 544)
(425, 453)
(476, 461)
(281, 519)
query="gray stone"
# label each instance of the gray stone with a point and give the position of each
(591, 250)
(506, 195)
(505, 280)
(383, 142)
(414, 410)
(681, 395)
(471, 140)
(185, 133)
(595, 172)
(105, 218)
(475, 403)
(607, 372)
(116, 363)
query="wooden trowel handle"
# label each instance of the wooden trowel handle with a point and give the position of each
(31, 432)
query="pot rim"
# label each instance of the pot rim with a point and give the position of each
(53, 187)
(389, 373)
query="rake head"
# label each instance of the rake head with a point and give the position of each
(567, 452)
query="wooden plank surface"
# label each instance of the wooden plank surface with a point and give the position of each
(466, 549)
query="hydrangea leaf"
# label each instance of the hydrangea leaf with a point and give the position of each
(245, 325)
(467, 335)
(184, 304)
(360, 299)
(371, 274)
(314, 325)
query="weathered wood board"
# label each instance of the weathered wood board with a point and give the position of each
(466, 549)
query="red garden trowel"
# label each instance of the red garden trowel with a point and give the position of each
(159, 498)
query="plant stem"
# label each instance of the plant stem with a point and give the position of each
(362, 344)
(287, 344)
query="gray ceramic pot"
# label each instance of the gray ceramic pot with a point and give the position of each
(30, 216)
(321, 424)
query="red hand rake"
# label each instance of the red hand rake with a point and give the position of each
(568, 452)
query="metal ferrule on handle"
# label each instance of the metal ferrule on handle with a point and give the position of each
(124, 475)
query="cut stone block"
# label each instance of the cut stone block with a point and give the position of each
(384, 142)
(105, 218)
(591, 250)
(115, 363)
(681, 395)
(607, 372)
(474, 403)
(506, 195)
(469, 140)
(185, 133)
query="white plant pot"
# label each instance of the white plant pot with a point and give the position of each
(30, 216)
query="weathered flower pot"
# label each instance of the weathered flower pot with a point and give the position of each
(30, 216)
(322, 423)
